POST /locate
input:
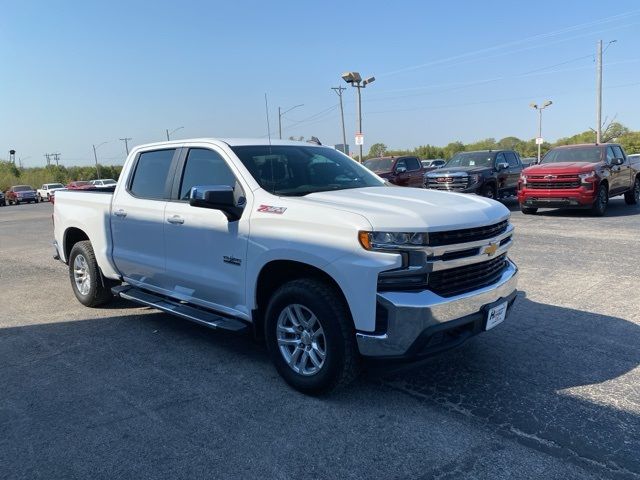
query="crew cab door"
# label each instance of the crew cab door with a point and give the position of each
(137, 219)
(205, 252)
(502, 175)
(618, 174)
(513, 172)
(415, 172)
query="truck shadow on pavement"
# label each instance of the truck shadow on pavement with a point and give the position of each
(557, 379)
(150, 385)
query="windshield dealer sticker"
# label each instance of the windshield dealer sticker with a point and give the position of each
(271, 209)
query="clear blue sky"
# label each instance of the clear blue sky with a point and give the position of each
(76, 73)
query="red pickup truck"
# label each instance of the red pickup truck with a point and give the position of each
(580, 176)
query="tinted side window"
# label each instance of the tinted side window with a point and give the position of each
(402, 163)
(512, 160)
(150, 177)
(500, 158)
(618, 151)
(204, 167)
(610, 154)
(413, 164)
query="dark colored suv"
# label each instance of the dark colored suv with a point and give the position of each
(490, 173)
(406, 171)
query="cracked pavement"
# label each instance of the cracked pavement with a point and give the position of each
(128, 392)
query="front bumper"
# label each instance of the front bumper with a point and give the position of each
(424, 323)
(556, 198)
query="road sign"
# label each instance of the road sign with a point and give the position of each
(539, 140)
(359, 139)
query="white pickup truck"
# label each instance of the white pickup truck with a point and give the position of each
(297, 241)
(47, 190)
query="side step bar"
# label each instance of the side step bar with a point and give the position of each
(195, 314)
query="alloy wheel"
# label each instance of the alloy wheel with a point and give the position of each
(81, 274)
(301, 339)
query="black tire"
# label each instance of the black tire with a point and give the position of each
(99, 288)
(489, 191)
(599, 206)
(341, 363)
(528, 210)
(632, 197)
(16, 202)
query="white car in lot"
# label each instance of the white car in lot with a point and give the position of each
(45, 192)
(297, 242)
(104, 183)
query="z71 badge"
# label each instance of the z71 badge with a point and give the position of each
(271, 209)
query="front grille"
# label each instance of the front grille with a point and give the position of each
(451, 237)
(552, 185)
(456, 281)
(444, 182)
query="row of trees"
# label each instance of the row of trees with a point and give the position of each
(11, 174)
(617, 132)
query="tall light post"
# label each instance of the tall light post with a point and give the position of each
(169, 133)
(95, 156)
(539, 108)
(280, 114)
(355, 80)
(126, 143)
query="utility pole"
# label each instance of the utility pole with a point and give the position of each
(126, 142)
(56, 157)
(599, 92)
(48, 157)
(339, 91)
(280, 114)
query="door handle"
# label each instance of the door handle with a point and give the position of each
(120, 213)
(175, 220)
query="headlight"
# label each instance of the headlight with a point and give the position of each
(393, 240)
(587, 177)
(523, 178)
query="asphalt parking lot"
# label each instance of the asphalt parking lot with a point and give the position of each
(128, 392)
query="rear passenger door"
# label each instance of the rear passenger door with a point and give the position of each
(514, 170)
(137, 219)
(205, 252)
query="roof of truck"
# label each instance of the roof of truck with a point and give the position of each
(234, 142)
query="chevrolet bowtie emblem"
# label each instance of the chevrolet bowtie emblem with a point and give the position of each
(491, 249)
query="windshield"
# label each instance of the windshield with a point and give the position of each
(471, 159)
(379, 164)
(300, 170)
(576, 154)
(109, 182)
(22, 188)
(55, 185)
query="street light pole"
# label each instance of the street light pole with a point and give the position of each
(280, 115)
(95, 156)
(356, 81)
(539, 108)
(169, 133)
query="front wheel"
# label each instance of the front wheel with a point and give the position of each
(632, 197)
(600, 203)
(89, 286)
(489, 192)
(310, 336)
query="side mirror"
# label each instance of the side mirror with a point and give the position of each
(617, 161)
(401, 169)
(217, 197)
(502, 166)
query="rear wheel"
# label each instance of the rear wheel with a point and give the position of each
(632, 197)
(310, 336)
(600, 203)
(528, 210)
(89, 286)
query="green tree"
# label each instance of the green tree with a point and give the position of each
(377, 150)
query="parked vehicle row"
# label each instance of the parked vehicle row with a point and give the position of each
(572, 176)
(326, 261)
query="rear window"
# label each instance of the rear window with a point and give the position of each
(150, 176)
(576, 154)
(22, 188)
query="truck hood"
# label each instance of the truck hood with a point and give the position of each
(461, 169)
(560, 167)
(413, 209)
